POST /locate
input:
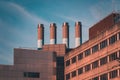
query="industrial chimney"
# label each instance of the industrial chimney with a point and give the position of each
(53, 33)
(40, 36)
(78, 34)
(65, 33)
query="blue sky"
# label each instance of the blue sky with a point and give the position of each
(19, 19)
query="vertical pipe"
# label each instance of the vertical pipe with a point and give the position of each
(40, 36)
(53, 33)
(78, 34)
(65, 33)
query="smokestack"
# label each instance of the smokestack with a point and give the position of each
(40, 36)
(53, 33)
(65, 33)
(78, 34)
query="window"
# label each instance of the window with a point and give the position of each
(87, 52)
(95, 64)
(80, 56)
(94, 48)
(32, 74)
(103, 44)
(68, 76)
(80, 71)
(95, 78)
(73, 73)
(87, 67)
(104, 77)
(59, 71)
(103, 60)
(113, 74)
(112, 39)
(67, 62)
(113, 56)
(74, 59)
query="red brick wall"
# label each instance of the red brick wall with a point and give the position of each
(101, 26)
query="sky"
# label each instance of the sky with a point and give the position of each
(19, 20)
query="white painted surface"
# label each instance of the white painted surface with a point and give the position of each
(39, 43)
(65, 41)
(77, 42)
(52, 41)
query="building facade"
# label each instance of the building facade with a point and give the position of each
(99, 57)
(30, 65)
(96, 59)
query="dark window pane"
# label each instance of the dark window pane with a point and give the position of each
(113, 56)
(113, 74)
(73, 73)
(103, 60)
(104, 77)
(94, 48)
(87, 52)
(87, 68)
(68, 76)
(80, 56)
(32, 74)
(103, 44)
(59, 70)
(74, 59)
(80, 71)
(67, 62)
(95, 64)
(112, 39)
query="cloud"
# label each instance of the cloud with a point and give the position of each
(18, 28)
(100, 9)
(73, 19)
(29, 16)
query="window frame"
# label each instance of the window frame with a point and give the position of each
(87, 68)
(74, 59)
(103, 61)
(95, 48)
(80, 70)
(103, 44)
(87, 52)
(113, 39)
(104, 76)
(73, 74)
(95, 64)
(80, 56)
(68, 76)
(113, 56)
(67, 62)
(113, 74)
(31, 74)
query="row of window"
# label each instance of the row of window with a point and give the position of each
(112, 74)
(31, 74)
(95, 64)
(95, 48)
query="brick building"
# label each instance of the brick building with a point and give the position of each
(96, 59)
(99, 57)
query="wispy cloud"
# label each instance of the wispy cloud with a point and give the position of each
(21, 11)
(73, 19)
(100, 9)
(15, 34)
